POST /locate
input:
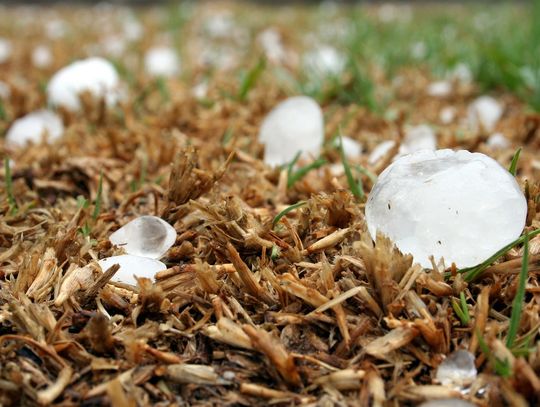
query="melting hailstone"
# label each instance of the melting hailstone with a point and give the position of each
(457, 370)
(162, 61)
(484, 112)
(131, 266)
(295, 125)
(146, 236)
(95, 75)
(33, 126)
(458, 205)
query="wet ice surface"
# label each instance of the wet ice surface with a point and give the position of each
(294, 125)
(146, 236)
(33, 126)
(131, 266)
(457, 369)
(454, 204)
(94, 75)
(447, 403)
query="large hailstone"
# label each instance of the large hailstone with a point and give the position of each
(146, 236)
(162, 61)
(454, 204)
(131, 267)
(484, 112)
(33, 126)
(95, 75)
(295, 125)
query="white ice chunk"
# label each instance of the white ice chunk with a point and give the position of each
(5, 50)
(447, 114)
(484, 112)
(498, 141)
(42, 56)
(270, 41)
(146, 236)
(454, 204)
(439, 89)
(33, 126)
(457, 370)
(95, 75)
(294, 125)
(131, 266)
(447, 403)
(5, 91)
(418, 138)
(162, 61)
(324, 60)
(351, 147)
(462, 73)
(380, 151)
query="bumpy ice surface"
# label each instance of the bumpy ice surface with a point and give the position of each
(146, 236)
(294, 125)
(461, 206)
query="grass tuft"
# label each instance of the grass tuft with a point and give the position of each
(250, 79)
(517, 304)
(295, 176)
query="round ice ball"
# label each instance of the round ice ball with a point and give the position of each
(294, 125)
(146, 236)
(33, 126)
(95, 75)
(457, 205)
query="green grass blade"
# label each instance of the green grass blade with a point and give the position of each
(513, 164)
(97, 204)
(302, 172)
(459, 312)
(290, 166)
(472, 273)
(9, 187)
(502, 368)
(464, 308)
(517, 305)
(250, 78)
(356, 188)
(286, 211)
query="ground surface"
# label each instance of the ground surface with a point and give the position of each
(304, 310)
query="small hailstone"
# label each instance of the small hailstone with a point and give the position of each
(418, 138)
(447, 114)
(200, 91)
(294, 125)
(447, 403)
(55, 28)
(131, 266)
(439, 89)
(498, 141)
(418, 50)
(380, 151)
(146, 236)
(325, 60)
(5, 50)
(219, 25)
(162, 61)
(95, 75)
(462, 73)
(42, 56)
(33, 126)
(485, 112)
(270, 41)
(436, 203)
(457, 370)
(351, 147)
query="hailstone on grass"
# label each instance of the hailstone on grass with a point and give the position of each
(146, 236)
(294, 125)
(42, 56)
(33, 126)
(351, 147)
(5, 91)
(324, 60)
(439, 89)
(457, 370)
(484, 113)
(95, 75)
(457, 205)
(162, 61)
(497, 141)
(131, 266)
(5, 50)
